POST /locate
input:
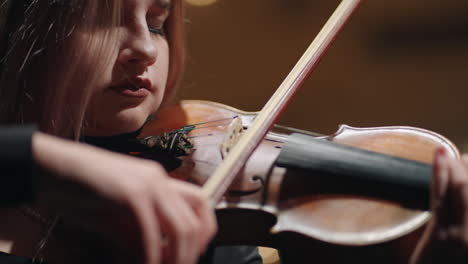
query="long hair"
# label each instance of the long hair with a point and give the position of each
(41, 59)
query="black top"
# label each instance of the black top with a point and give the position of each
(220, 255)
(16, 165)
(17, 181)
(12, 259)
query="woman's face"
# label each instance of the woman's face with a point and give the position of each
(132, 86)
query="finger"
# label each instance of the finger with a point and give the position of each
(442, 199)
(189, 251)
(464, 198)
(440, 179)
(458, 183)
(205, 213)
(464, 160)
(150, 232)
(179, 222)
(459, 172)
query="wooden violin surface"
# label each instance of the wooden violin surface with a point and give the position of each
(282, 208)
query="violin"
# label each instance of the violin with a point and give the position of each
(364, 201)
(291, 208)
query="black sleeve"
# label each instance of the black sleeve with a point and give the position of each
(13, 259)
(231, 255)
(16, 165)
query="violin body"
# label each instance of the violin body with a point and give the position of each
(269, 205)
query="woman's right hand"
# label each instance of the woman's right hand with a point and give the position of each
(131, 202)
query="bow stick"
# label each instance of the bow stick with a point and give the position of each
(219, 182)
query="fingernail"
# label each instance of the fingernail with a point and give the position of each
(440, 153)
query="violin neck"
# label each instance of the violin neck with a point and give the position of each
(349, 170)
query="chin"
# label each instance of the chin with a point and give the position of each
(129, 121)
(126, 121)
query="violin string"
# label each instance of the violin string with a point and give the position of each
(197, 125)
(310, 133)
(188, 128)
(292, 129)
(206, 162)
(204, 135)
(210, 126)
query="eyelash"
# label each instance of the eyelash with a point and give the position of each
(158, 31)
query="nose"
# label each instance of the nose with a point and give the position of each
(139, 50)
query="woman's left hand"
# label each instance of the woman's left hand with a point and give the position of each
(445, 239)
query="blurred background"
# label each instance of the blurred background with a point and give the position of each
(397, 62)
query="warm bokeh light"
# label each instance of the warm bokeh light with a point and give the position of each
(200, 2)
(395, 63)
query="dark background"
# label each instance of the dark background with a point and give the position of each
(397, 62)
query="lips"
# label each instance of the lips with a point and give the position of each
(137, 87)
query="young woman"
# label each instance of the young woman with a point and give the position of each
(96, 68)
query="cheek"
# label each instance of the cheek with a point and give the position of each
(159, 73)
(162, 63)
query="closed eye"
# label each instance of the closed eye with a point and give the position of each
(159, 31)
(156, 16)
